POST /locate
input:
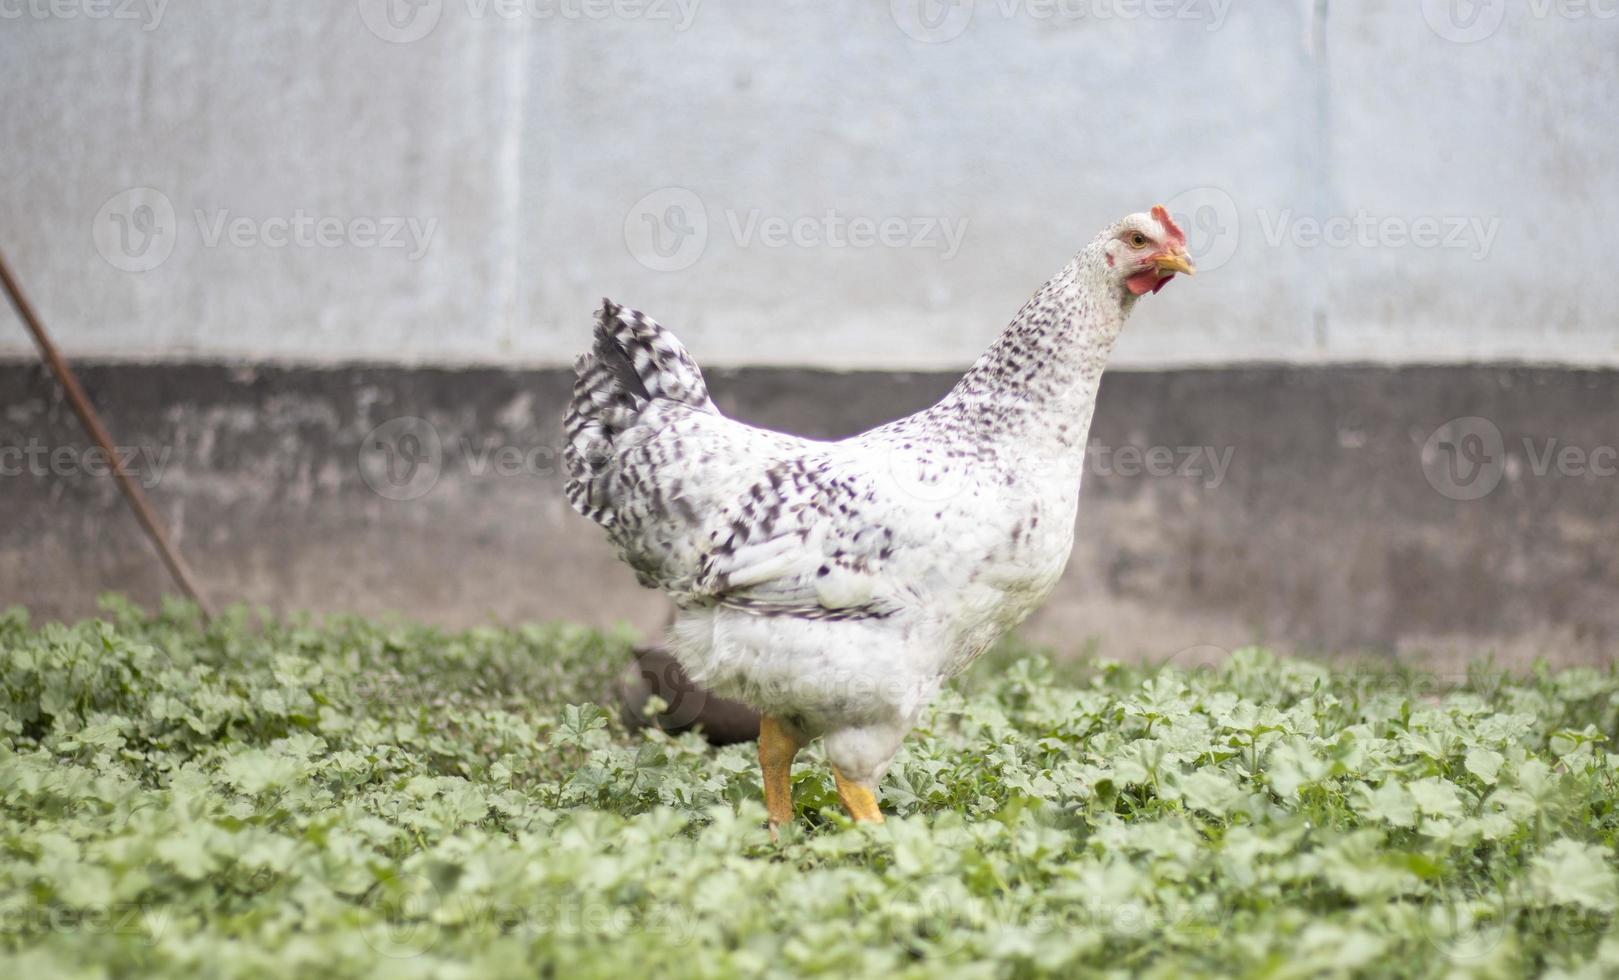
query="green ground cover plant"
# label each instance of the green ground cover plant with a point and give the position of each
(354, 798)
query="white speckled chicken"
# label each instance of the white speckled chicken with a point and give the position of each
(835, 585)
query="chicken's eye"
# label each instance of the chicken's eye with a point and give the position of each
(1138, 240)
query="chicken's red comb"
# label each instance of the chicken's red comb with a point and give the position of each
(1169, 224)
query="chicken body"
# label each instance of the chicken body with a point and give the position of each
(835, 585)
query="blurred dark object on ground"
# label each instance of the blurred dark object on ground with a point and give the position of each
(686, 706)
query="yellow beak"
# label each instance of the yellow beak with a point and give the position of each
(1174, 262)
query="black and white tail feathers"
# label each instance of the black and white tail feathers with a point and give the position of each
(634, 362)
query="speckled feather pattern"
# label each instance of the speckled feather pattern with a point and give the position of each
(837, 584)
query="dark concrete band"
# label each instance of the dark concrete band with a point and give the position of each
(1458, 511)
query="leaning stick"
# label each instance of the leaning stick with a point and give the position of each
(92, 423)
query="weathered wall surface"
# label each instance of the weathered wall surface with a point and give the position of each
(225, 207)
(850, 184)
(1454, 512)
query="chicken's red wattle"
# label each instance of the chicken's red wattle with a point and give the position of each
(1149, 281)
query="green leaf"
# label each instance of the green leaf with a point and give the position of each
(1484, 763)
(1391, 803)
(1571, 872)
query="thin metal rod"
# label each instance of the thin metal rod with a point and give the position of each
(98, 432)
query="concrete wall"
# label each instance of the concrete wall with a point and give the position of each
(200, 193)
(1338, 509)
(721, 164)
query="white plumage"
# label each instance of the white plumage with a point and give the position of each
(835, 585)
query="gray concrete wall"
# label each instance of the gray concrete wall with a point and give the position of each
(1381, 180)
(267, 228)
(1447, 513)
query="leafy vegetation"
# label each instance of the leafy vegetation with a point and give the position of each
(263, 799)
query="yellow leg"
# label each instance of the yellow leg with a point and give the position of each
(857, 799)
(777, 747)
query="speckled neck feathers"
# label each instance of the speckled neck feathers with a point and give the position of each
(1036, 385)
